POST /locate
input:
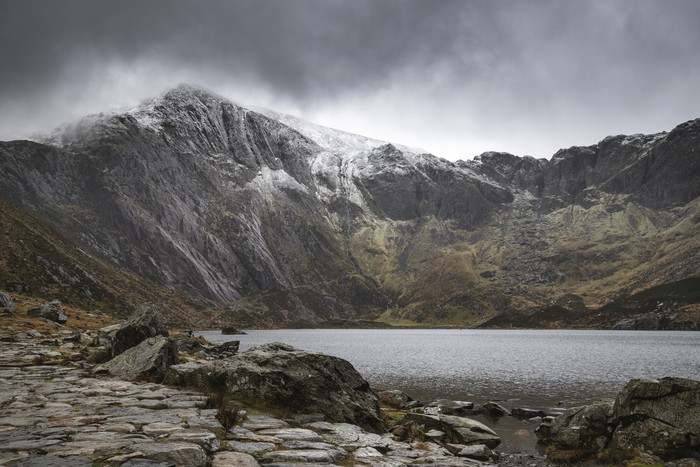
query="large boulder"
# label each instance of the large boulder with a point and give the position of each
(145, 322)
(661, 417)
(51, 311)
(299, 381)
(6, 302)
(147, 361)
(582, 427)
(459, 430)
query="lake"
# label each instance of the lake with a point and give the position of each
(540, 369)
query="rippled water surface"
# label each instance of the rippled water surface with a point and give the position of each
(538, 369)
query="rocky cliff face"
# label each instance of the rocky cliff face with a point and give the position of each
(272, 216)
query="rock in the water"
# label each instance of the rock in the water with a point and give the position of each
(495, 409)
(524, 413)
(6, 302)
(230, 330)
(661, 417)
(145, 322)
(51, 311)
(280, 375)
(460, 430)
(149, 360)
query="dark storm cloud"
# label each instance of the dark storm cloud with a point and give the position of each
(453, 76)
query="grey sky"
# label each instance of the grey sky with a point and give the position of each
(454, 77)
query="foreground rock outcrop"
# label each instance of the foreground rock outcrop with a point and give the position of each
(145, 322)
(659, 418)
(54, 412)
(296, 380)
(148, 361)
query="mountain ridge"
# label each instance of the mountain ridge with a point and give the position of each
(225, 203)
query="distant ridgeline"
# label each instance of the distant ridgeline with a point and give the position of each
(247, 217)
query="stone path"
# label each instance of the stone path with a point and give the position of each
(54, 412)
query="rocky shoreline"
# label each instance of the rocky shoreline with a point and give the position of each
(132, 394)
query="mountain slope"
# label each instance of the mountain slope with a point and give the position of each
(273, 217)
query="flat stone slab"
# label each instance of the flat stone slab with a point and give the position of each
(188, 454)
(235, 459)
(53, 461)
(204, 438)
(308, 455)
(161, 428)
(349, 436)
(292, 434)
(257, 422)
(250, 448)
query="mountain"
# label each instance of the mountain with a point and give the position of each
(262, 218)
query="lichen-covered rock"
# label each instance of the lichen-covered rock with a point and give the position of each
(149, 360)
(582, 427)
(280, 375)
(145, 322)
(661, 417)
(51, 311)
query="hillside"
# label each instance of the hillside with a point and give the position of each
(255, 218)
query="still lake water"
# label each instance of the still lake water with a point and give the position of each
(525, 368)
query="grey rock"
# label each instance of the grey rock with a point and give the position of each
(661, 417)
(145, 322)
(188, 454)
(349, 437)
(233, 459)
(149, 360)
(307, 455)
(51, 311)
(395, 398)
(292, 434)
(204, 438)
(524, 413)
(300, 381)
(6, 302)
(450, 407)
(645, 323)
(52, 461)
(230, 348)
(256, 422)
(476, 451)
(459, 430)
(494, 409)
(581, 427)
(252, 447)
(146, 463)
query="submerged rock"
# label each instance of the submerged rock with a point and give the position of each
(149, 360)
(297, 380)
(230, 330)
